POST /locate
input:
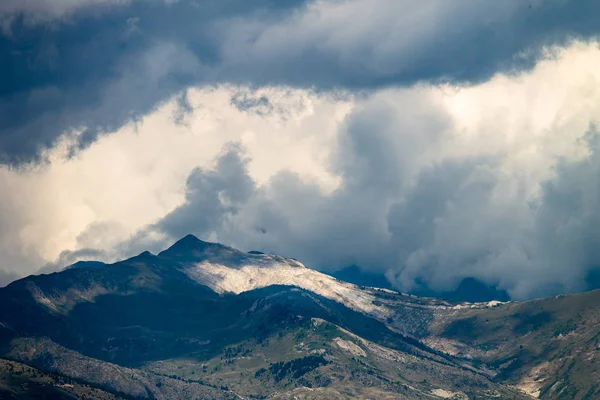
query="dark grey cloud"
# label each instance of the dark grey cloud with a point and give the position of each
(7, 277)
(183, 108)
(568, 218)
(210, 196)
(32, 12)
(251, 103)
(68, 257)
(94, 73)
(69, 67)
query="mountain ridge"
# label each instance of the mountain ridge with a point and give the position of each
(190, 244)
(191, 304)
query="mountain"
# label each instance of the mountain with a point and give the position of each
(86, 264)
(468, 290)
(20, 381)
(204, 320)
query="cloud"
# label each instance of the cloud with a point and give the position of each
(429, 184)
(99, 197)
(451, 224)
(431, 195)
(7, 277)
(68, 258)
(211, 195)
(32, 12)
(93, 72)
(459, 222)
(568, 218)
(35, 121)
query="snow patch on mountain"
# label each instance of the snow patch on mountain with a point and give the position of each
(221, 279)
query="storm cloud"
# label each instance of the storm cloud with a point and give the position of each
(84, 69)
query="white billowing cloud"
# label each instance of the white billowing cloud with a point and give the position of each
(436, 184)
(429, 183)
(124, 181)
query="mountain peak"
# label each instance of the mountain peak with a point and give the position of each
(189, 241)
(189, 245)
(86, 264)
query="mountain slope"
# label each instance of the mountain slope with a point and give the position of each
(20, 381)
(206, 319)
(120, 381)
(315, 356)
(224, 269)
(549, 347)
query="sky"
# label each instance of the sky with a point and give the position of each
(429, 141)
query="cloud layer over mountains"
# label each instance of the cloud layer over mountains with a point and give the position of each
(87, 67)
(432, 141)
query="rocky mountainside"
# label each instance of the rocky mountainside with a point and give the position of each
(203, 320)
(21, 381)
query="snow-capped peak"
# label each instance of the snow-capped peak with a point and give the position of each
(274, 270)
(225, 269)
